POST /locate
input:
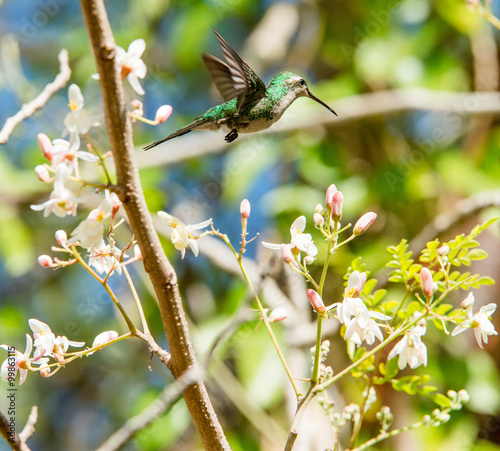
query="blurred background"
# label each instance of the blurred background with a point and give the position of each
(416, 141)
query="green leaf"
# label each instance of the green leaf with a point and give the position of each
(441, 400)
(477, 254)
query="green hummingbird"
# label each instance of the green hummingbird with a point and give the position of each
(250, 105)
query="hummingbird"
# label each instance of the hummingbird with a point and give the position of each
(249, 105)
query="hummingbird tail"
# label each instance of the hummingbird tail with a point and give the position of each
(192, 126)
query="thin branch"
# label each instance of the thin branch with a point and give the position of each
(160, 271)
(464, 209)
(29, 427)
(15, 442)
(159, 406)
(28, 109)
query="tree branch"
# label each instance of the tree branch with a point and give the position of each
(350, 109)
(29, 108)
(18, 444)
(129, 190)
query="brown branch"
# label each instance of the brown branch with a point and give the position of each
(28, 109)
(464, 209)
(160, 270)
(17, 444)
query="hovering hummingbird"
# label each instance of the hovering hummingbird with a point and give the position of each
(250, 105)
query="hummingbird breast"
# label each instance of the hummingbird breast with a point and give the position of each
(258, 116)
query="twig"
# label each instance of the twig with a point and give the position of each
(158, 407)
(465, 208)
(160, 271)
(29, 427)
(28, 109)
(18, 444)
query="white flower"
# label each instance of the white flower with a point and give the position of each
(360, 322)
(479, 322)
(131, 63)
(47, 344)
(18, 362)
(355, 284)
(89, 232)
(181, 235)
(45, 340)
(411, 349)
(300, 242)
(62, 201)
(77, 121)
(103, 259)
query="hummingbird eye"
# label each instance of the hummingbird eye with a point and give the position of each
(302, 81)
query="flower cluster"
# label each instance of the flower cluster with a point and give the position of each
(47, 347)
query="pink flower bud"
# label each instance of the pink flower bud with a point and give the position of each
(61, 237)
(278, 314)
(468, 301)
(245, 208)
(331, 190)
(42, 173)
(318, 219)
(427, 283)
(163, 113)
(45, 145)
(45, 261)
(137, 252)
(364, 222)
(136, 104)
(287, 253)
(337, 203)
(316, 302)
(44, 370)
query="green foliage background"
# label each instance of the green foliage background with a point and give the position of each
(408, 166)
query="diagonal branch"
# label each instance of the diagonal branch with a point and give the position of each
(38, 102)
(161, 272)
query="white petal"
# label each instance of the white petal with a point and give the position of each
(137, 47)
(200, 225)
(271, 245)
(298, 225)
(134, 82)
(75, 95)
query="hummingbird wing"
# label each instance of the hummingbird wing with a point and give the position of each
(234, 79)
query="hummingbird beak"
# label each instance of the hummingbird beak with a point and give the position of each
(320, 102)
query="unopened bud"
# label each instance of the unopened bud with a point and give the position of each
(104, 337)
(337, 203)
(163, 114)
(137, 252)
(331, 190)
(61, 237)
(136, 104)
(287, 253)
(245, 208)
(364, 222)
(44, 370)
(278, 314)
(468, 301)
(42, 173)
(45, 145)
(318, 209)
(318, 219)
(45, 261)
(316, 302)
(427, 283)
(443, 250)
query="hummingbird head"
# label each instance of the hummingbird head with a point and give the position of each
(296, 84)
